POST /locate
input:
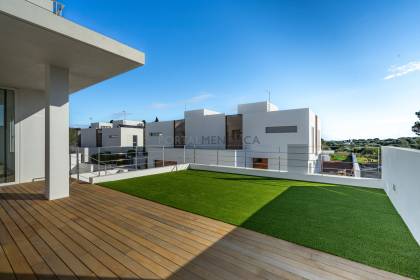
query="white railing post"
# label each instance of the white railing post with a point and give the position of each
(194, 153)
(136, 159)
(69, 166)
(279, 158)
(184, 154)
(99, 161)
(379, 162)
(77, 163)
(163, 155)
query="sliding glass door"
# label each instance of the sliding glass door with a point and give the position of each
(7, 136)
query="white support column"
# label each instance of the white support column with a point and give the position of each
(56, 132)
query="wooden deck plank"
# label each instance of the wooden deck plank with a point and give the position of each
(51, 236)
(55, 263)
(34, 259)
(20, 266)
(174, 252)
(49, 220)
(101, 233)
(6, 271)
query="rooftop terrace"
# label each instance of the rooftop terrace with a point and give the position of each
(101, 233)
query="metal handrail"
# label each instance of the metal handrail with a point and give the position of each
(55, 6)
(114, 159)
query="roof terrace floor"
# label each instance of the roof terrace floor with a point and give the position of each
(98, 233)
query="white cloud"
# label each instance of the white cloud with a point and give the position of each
(398, 71)
(199, 98)
(160, 106)
(192, 100)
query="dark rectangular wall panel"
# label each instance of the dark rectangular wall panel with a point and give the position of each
(281, 129)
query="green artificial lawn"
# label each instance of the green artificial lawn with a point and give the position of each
(355, 223)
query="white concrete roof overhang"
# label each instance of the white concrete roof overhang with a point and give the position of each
(31, 37)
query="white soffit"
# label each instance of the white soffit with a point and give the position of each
(32, 37)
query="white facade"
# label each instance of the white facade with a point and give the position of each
(205, 129)
(282, 139)
(44, 58)
(400, 175)
(119, 133)
(160, 134)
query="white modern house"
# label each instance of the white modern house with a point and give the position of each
(259, 135)
(118, 133)
(43, 59)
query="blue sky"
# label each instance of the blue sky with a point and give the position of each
(355, 63)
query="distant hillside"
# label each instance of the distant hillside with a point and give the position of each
(403, 142)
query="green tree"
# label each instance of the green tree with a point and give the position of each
(74, 134)
(416, 126)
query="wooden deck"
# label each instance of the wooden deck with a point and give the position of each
(100, 233)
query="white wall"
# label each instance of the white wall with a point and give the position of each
(328, 179)
(88, 137)
(257, 107)
(254, 124)
(206, 130)
(30, 135)
(401, 176)
(127, 134)
(111, 137)
(138, 173)
(100, 124)
(166, 128)
(275, 145)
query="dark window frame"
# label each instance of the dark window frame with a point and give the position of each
(235, 145)
(179, 140)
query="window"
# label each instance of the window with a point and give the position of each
(179, 133)
(98, 138)
(7, 136)
(135, 142)
(234, 132)
(155, 133)
(281, 129)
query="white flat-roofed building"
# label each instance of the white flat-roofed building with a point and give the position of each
(259, 135)
(118, 133)
(43, 59)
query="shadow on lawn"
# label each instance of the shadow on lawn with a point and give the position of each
(354, 223)
(334, 219)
